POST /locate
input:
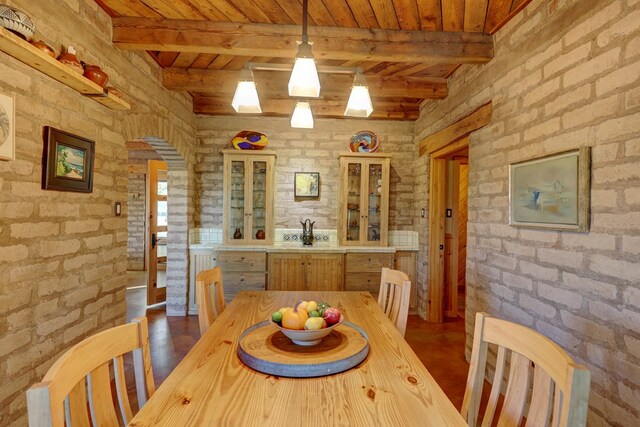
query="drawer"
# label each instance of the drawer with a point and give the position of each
(235, 282)
(241, 261)
(368, 262)
(363, 282)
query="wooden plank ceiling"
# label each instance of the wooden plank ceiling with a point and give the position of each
(407, 48)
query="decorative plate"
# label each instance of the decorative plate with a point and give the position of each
(17, 21)
(249, 140)
(364, 142)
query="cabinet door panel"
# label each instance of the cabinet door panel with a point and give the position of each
(235, 282)
(241, 261)
(324, 272)
(368, 262)
(286, 272)
(363, 282)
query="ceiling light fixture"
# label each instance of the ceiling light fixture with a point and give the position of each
(246, 100)
(303, 83)
(302, 116)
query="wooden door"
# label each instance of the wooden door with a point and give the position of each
(286, 272)
(157, 210)
(324, 272)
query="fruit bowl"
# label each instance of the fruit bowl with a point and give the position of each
(307, 337)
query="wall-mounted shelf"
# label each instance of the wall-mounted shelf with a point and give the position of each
(30, 55)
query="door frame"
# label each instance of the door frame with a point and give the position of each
(154, 295)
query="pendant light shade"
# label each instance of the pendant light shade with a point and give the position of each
(304, 81)
(302, 116)
(246, 100)
(359, 104)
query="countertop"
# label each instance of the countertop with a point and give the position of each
(280, 248)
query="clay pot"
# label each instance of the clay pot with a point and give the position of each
(260, 234)
(96, 75)
(44, 47)
(70, 60)
(237, 234)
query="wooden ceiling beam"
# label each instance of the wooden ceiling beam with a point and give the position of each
(320, 108)
(271, 40)
(274, 83)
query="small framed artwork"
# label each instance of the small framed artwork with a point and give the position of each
(67, 162)
(7, 128)
(551, 192)
(307, 184)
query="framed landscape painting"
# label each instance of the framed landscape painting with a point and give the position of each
(307, 184)
(67, 162)
(551, 192)
(7, 128)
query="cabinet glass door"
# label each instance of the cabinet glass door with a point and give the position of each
(354, 215)
(374, 202)
(237, 212)
(259, 200)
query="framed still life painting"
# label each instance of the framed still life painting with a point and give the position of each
(67, 162)
(551, 192)
(7, 128)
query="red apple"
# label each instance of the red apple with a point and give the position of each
(332, 315)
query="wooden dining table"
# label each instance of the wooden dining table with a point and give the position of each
(211, 386)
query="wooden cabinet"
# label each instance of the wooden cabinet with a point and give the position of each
(295, 271)
(241, 271)
(406, 261)
(363, 201)
(248, 197)
(363, 270)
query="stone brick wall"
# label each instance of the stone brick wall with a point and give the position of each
(298, 150)
(63, 255)
(136, 221)
(565, 74)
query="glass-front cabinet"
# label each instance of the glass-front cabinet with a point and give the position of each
(248, 196)
(363, 205)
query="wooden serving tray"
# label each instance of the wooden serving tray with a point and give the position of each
(266, 349)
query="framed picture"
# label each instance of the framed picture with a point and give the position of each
(67, 162)
(307, 184)
(551, 192)
(7, 128)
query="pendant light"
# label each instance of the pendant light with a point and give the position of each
(302, 116)
(359, 104)
(304, 79)
(246, 100)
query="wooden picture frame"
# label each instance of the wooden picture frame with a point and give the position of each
(67, 163)
(306, 184)
(551, 192)
(7, 128)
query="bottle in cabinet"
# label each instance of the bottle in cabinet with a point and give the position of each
(248, 196)
(363, 205)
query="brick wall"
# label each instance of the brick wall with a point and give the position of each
(299, 150)
(136, 221)
(63, 256)
(566, 73)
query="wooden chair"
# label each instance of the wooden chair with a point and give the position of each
(395, 289)
(209, 297)
(540, 372)
(77, 388)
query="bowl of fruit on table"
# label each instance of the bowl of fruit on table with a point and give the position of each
(308, 322)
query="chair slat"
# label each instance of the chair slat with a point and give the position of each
(77, 412)
(475, 379)
(121, 390)
(103, 412)
(146, 380)
(539, 413)
(496, 387)
(515, 397)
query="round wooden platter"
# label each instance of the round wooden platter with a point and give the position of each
(266, 349)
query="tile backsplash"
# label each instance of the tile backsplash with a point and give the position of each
(293, 237)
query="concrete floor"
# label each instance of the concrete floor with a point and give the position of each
(440, 346)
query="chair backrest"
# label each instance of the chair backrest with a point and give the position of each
(209, 296)
(540, 373)
(76, 390)
(393, 298)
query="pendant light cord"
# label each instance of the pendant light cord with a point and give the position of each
(305, 39)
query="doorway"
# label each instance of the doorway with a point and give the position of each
(157, 221)
(456, 234)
